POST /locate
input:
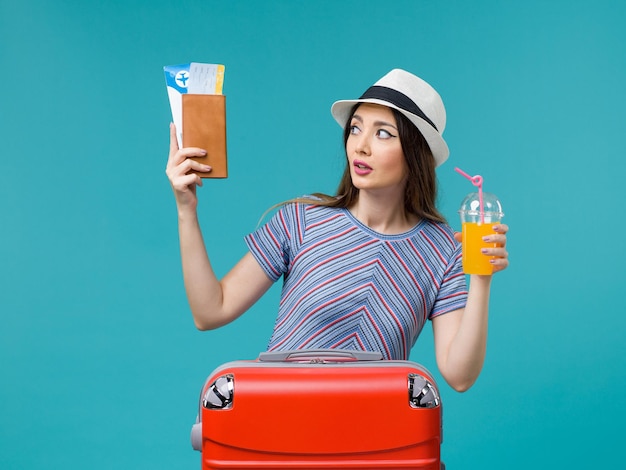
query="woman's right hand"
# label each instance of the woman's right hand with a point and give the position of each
(179, 172)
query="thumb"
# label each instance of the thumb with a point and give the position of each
(458, 236)
(173, 138)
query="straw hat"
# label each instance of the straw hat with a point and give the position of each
(414, 98)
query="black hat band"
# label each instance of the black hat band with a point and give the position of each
(397, 99)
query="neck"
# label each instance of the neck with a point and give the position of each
(382, 215)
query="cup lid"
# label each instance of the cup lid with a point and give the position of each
(491, 205)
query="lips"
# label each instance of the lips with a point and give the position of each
(361, 168)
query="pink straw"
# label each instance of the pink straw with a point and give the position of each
(477, 181)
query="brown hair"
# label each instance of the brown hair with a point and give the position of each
(420, 192)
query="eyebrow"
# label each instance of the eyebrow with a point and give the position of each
(376, 123)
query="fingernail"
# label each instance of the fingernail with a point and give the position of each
(483, 250)
(207, 168)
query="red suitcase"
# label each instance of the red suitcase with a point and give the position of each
(319, 409)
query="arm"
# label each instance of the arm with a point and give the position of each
(213, 302)
(461, 336)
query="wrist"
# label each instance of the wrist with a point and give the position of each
(481, 280)
(187, 213)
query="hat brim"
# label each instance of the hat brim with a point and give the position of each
(341, 112)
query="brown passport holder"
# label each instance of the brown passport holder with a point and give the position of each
(204, 126)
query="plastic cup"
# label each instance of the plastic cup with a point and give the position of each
(476, 225)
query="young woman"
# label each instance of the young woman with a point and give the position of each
(363, 269)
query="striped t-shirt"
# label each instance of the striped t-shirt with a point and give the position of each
(349, 287)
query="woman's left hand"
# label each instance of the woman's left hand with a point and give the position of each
(500, 258)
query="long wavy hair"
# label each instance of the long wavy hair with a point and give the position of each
(420, 192)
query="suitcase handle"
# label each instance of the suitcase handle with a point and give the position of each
(320, 356)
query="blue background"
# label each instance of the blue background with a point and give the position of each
(100, 364)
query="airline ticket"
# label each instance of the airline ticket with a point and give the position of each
(196, 78)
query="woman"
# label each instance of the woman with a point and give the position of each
(366, 268)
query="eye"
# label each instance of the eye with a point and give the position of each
(384, 134)
(354, 129)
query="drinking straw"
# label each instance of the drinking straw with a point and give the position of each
(477, 181)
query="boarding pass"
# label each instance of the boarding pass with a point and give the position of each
(192, 78)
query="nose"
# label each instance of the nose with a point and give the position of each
(362, 146)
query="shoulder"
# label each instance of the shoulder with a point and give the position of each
(439, 234)
(295, 217)
(307, 206)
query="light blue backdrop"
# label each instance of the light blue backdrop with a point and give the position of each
(100, 364)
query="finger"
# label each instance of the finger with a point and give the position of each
(499, 264)
(497, 239)
(201, 167)
(189, 165)
(188, 152)
(186, 167)
(185, 183)
(175, 156)
(458, 236)
(179, 157)
(497, 252)
(501, 228)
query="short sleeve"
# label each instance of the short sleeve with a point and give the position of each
(453, 290)
(272, 244)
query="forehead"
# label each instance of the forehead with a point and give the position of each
(376, 112)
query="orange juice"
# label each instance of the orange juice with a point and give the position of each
(474, 262)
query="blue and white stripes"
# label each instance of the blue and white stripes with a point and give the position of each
(348, 287)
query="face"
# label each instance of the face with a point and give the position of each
(374, 150)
